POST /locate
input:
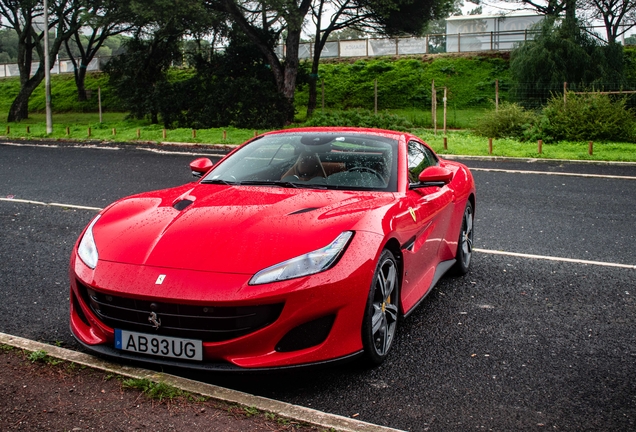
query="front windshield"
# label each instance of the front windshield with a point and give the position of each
(317, 160)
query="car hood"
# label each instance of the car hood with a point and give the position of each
(231, 229)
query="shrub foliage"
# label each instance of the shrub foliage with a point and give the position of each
(591, 116)
(360, 118)
(510, 121)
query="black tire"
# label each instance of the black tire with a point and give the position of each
(464, 253)
(381, 314)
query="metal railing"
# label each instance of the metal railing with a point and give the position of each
(429, 44)
(59, 67)
(371, 47)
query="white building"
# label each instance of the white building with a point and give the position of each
(489, 32)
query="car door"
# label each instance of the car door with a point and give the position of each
(430, 210)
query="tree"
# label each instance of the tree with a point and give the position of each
(266, 20)
(347, 15)
(263, 22)
(8, 46)
(239, 82)
(140, 75)
(23, 17)
(618, 16)
(388, 17)
(101, 19)
(563, 53)
(552, 8)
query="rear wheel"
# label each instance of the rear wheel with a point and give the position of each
(465, 244)
(381, 315)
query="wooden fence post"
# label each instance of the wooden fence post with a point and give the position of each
(323, 95)
(489, 145)
(99, 102)
(88, 131)
(540, 146)
(445, 94)
(28, 128)
(434, 107)
(496, 95)
(164, 133)
(114, 131)
(445, 143)
(194, 133)
(375, 96)
(68, 130)
(590, 148)
(138, 133)
(224, 135)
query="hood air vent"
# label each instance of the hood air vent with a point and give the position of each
(180, 205)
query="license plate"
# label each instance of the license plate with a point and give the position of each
(187, 349)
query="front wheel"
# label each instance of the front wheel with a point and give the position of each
(465, 243)
(381, 315)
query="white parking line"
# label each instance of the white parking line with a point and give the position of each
(166, 152)
(555, 173)
(551, 258)
(50, 204)
(486, 251)
(29, 145)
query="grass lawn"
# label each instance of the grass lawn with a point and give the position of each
(460, 142)
(466, 143)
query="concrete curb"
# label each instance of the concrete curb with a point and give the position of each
(282, 409)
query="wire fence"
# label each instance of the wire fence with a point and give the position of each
(460, 106)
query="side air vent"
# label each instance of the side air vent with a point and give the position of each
(305, 210)
(180, 205)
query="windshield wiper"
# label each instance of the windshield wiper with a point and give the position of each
(268, 183)
(219, 181)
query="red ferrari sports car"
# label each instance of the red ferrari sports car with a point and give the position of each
(300, 247)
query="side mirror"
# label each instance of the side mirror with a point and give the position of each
(434, 176)
(200, 166)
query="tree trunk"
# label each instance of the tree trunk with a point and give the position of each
(20, 107)
(291, 64)
(313, 85)
(80, 79)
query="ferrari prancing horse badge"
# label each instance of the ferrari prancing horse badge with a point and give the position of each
(413, 214)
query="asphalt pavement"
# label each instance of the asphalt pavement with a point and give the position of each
(517, 344)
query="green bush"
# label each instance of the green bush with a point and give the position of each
(509, 121)
(360, 118)
(586, 117)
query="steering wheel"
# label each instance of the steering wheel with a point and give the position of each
(366, 169)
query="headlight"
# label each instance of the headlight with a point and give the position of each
(87, 249)
(304, 265)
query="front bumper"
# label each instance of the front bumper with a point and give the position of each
(340, 292)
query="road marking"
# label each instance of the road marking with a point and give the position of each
(551, 258)
(50, 204)
(486, 251)
(166, 152)
(555, 173)
(29, 145)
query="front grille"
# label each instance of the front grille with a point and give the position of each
(207, 323)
